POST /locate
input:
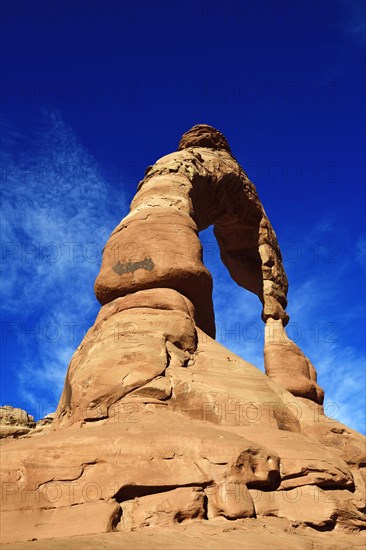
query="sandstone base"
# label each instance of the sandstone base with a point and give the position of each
(248, 534)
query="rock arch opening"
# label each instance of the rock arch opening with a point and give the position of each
(237, 311)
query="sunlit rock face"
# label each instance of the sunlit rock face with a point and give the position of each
(15, 422)
(158, 424)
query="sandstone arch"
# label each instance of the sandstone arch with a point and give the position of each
(157, 246)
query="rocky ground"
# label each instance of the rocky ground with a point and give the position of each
(248, 534)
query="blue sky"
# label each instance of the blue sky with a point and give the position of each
(94, 92)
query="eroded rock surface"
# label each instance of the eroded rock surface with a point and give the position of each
(158, 424)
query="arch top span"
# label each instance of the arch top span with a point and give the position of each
(203, 135)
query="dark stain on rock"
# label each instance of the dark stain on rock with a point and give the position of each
(130, 267)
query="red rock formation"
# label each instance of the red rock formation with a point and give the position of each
(157, 245)
(159, 424)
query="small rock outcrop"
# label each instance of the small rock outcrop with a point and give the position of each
(158, 424)
(15, 422)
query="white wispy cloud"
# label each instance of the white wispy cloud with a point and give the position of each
(57, 213)
(326, 303)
